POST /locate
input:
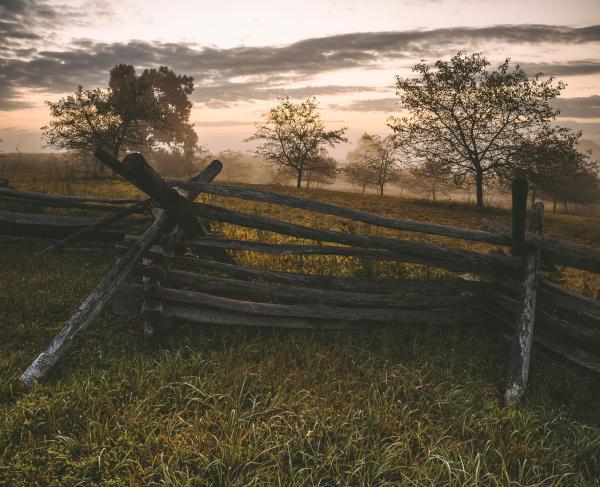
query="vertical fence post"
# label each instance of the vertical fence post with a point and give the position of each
(519, 188)
(520, 352)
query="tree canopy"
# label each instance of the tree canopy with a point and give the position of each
(144, 112)
(555, 167)
(374, 162)
(470, 119)
(293, 135)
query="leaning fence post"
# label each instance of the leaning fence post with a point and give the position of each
(520, 352)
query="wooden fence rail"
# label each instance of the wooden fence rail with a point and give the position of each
(159, 279)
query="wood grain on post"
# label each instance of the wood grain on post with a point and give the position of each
(520, 352)
(92, 305)
(97, 299)
(519, 187)
(136, 170)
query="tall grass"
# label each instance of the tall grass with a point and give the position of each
(206, 405)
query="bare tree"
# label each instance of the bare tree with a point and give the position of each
(293, 136)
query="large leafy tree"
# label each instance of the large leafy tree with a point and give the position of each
(471, 119)
(136, 112)
(293, 136)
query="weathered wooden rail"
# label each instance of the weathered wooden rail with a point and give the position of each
(177, 269)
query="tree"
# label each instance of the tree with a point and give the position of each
(322, 170)
(376, 158)
(144, 112)
(293, 136)
(470, 119)
(357, 174)
(431, 178)
(555, 167)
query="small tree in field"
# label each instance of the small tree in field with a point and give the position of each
(322, 170)
(556, 167)
(293, 136)
(470, 119)
(431, 178)
(144, 112)
(376, 158)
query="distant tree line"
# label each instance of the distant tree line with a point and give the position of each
(466, 127)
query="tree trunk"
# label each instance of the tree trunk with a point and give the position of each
(554, 206)
(533, 196)
(364, 187)
(381, 190)
(433, 191)
(479, 185)
(299, 179)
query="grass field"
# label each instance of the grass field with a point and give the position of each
(231, 406)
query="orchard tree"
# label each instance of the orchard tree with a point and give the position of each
(144, 112)
(555, 166)
(379, 158)
(322, 170)
(293, 136)
(431, 178)
(470, 119)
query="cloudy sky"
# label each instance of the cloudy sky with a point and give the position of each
(244, 55)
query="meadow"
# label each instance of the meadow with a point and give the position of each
(204, 405)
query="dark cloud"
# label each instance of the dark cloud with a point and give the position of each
(33, 20)
(569, 68)
(580, 107)
(223, 93)
(250, 73)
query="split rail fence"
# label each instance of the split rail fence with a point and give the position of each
(158, 279)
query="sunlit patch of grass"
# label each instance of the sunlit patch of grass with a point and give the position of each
(206, 405)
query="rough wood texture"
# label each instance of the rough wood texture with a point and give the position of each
(12, 217)
(199, 299)
(103, 223)
(519, 187)
(297, 294)
(573, 331)
(559, 252)
(551, 341)
(96, 300)
(127, 305)
(86, 246)
(152, 308)
(341, 211)
(49, 198)
(449, 258)
(520, 353)
(92, 305)
(360, 284)
(137, 171)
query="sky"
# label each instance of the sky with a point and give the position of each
(244, 55)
